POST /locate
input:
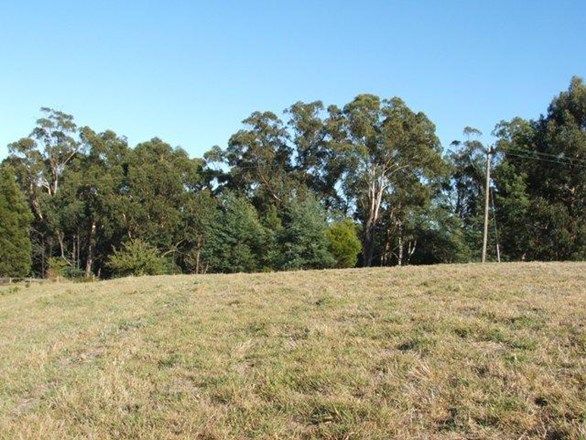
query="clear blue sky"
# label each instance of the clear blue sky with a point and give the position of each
(189, 71)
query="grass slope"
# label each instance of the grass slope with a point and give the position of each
(463, 351)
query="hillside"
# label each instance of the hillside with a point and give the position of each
(462, 351)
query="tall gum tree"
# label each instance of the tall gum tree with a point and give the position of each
(260, 159)
(385, 143)
(41, 160)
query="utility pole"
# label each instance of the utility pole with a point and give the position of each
(489, 152)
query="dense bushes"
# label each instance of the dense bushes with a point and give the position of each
(137, 258)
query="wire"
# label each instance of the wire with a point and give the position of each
(540, 153)
(559, 162)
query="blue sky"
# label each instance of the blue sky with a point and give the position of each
(189, 71)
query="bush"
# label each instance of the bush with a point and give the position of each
(344, 243)
(73, 273)
(137, 258)
(56, 267)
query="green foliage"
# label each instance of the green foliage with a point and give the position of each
(302, 240)
(137, 258)
(235, 238)
(15, 218)
(74, 273)
(440, 238)
(56, 267)
(199, 217)
(273, 228)
(387, 147)
(344, 243)
(260, 158)
(263, 202)
(468, 163)
(161, 179)
(514, 208)
(541, 181)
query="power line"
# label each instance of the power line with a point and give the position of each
(547, 155)
(559, 162)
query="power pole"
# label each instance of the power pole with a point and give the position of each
(489, 152)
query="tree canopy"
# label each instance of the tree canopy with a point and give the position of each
(365, 183)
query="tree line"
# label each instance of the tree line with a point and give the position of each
(364, 184)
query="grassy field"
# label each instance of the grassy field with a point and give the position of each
(447, 352)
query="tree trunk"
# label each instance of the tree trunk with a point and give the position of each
(35, 203)
(43, 266)
(386, 256)
(197, 261)
(400, 254)
(61, 239)
(74, 253)
(90, 251)
(374, 200)
(77, 257)
(411, 246)
(368, 245)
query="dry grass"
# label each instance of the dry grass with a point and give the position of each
(447, 352)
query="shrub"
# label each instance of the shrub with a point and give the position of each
(137, 258)
(56, 267)
(343, 243)
(73, 273)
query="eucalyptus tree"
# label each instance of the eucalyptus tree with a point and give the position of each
(52, 144)
(101, 186)
(160, 182)
(401, 213)
(468, 160)
(259, 157)
(40, 161)
(271, 160)
(385, 144)
(315, 163)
